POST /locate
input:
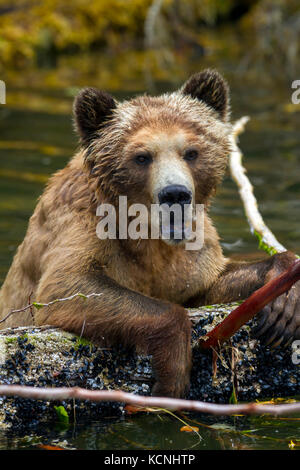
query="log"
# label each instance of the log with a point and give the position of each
(49, 357)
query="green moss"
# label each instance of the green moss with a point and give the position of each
(263, 246)
(52, 337)
(38, 305)
(25, 336)
(267, 248)
(10, 340)
(62, 414)
(82, 342)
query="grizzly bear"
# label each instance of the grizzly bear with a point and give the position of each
(167, 149)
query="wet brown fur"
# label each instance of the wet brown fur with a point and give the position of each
(145, 283)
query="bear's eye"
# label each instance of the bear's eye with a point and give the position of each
(191, 154)
(143, 158)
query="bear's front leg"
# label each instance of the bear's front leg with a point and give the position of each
(120, 315)
(279, 322)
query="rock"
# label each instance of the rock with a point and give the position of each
(48, 357)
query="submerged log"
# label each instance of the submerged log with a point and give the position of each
(48, 357)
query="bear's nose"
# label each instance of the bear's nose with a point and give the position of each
(175, 194)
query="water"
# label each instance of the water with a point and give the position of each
(36, 139)
(161, 432)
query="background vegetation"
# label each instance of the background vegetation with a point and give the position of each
(37, 31)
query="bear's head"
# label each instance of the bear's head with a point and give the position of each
(157, 150)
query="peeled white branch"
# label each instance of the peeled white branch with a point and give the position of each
(267, 239)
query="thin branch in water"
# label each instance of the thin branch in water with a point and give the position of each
(174, 404)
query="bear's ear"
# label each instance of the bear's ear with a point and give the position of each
(211, 88)
(92, 109)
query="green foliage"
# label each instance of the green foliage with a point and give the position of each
(31, 29)
(263, 246)
(38, 305)
(82, 295)
(267, 248)
(36, 31)
(233, 398)
(82, 342)
(62, 414)
(10, 340)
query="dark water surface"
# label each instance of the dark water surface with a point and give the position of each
(36, 139)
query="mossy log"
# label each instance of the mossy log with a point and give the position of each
(48, 357)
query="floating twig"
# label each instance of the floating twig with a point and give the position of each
(175, 404)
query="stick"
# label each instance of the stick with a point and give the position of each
(149, 26)
(250, 307)
(39, 305)
(175, 404)
(267, 240)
